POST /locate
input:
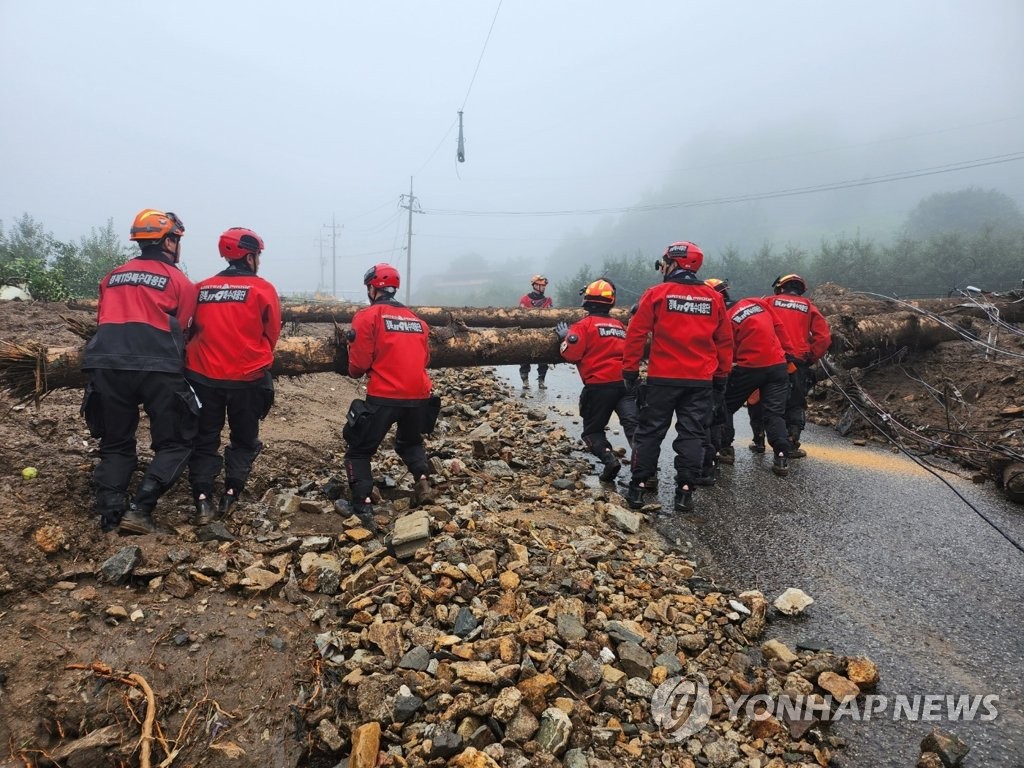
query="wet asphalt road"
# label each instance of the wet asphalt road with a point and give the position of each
(901, 571)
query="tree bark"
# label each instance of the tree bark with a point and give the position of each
(33, 369)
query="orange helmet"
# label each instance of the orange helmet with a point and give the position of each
(538, 279)
(152, 225)
(601, 291)
(790, 283)
(719, 285)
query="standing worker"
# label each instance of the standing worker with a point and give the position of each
(227, 361)
(535, 299)
(691, 344)
(137, 357)
(389, 344)
(761, 353)
(810, 335)
(595, 345)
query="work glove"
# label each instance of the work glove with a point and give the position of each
(561, 331)
(632, 381)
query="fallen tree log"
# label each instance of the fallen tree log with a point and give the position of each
(30, 370)
(472, 317)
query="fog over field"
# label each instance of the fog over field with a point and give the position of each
(591, 129)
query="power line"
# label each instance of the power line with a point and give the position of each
(478, 61)
(791, 192)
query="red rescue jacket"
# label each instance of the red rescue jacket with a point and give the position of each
(391, 346)
(236, 327)
(595, 344)
(691, 334)
(534, 300)
(145, 310)
(806, 326)
(759, 338)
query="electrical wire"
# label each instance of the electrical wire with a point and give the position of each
(478, 61)
(779, 193)
(829, 368)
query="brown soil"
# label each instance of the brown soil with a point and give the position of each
(223, 663)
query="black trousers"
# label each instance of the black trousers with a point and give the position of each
(542, 370)
(773, 381)
(796, 406)
(243, 407)
(714, 436)
(597, 404)
(111, 410)
(365, 437)
(691, 406)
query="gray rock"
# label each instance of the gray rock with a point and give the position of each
(119, 567)
(522, 726)
(465, 622)
(563, 484)
(215, 531)
(555, 729)
(635, 661)
(570, 628)
(624, 520)
(639, 689)
(618, 631)
(444, 744)
(406, 707)
(575, 758)
(416, 658)
(950, 749)
(584, 672)
(721, 753)
(670, 662)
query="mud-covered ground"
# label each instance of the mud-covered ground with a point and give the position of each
(216, 651)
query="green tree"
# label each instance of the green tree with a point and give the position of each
(969, 211)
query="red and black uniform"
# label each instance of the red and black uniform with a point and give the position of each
(136, 357)
(389, 344)
(691, 344)
(760, 348)
(228, 361)
(534, 300)
(595, 345)
(809, 333)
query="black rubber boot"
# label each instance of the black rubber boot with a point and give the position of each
(635, 495)
(364, 511)
(205, 513)
(683, 501)
(707, 475)
(612, 466)
(726, 455)
(526, 382)
(227, 501)
(780, 465)
(422, 491)
(795, 451)
(138, 520)
(111, 508)
(757, 444)
(541, 384)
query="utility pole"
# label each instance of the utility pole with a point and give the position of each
(408, 248)
(334, 256)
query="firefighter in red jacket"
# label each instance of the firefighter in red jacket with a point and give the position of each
(595, 345)
(535, 299)
(389, 344)
(137, 357)
(691, 344)
(227, 361)
(762, 353)
(810, 335)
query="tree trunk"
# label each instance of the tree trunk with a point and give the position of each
(472, 317)
(28, 370)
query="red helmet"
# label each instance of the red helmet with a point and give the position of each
(381, 276)
(601, 291)
(685, 254)
(239, 242)
(790, 283)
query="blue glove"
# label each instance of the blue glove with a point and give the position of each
(561, 330)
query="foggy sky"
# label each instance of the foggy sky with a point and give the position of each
(281, 116)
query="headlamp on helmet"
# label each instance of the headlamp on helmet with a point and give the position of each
(601, 291)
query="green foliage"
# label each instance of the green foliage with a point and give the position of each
(54, 270)
(968, 211)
